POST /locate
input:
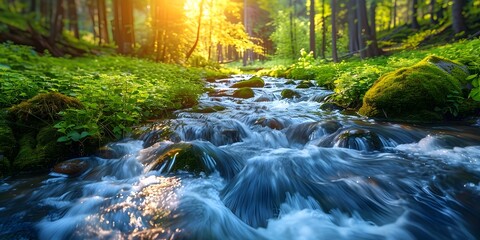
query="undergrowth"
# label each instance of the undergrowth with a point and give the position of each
(116, 92)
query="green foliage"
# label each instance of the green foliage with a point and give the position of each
(475, 81)
(351, 79)
(351, 86)
(116, 92)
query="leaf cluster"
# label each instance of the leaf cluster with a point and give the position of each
(116, 92)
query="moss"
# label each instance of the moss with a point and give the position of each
(41, 109)
(7, 141)
(40, 151)
(290, 82)
(289, 93)
(187, 156)
(243, 93)
(305, 84)
(252, 82)
(412, 93)
(457, 70)
(207, 109)
(27, 158)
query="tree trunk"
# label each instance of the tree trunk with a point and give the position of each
(458, 19)
(198, 30)
(439, 12)
(312, 28)
(362, 28)
(352, 26)
(102, 22)
(73, 18)
(414, 6)
(333, 4)
(123, 23)
(33, 6)
(394, 13)
(292, 36)
(373, 30)
(56, 26)
(432, 12)
(324, 31)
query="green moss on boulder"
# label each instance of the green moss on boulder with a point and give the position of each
(244, 92)
(40, 151)
(415, 93)
(252, 82)
(43, 108)
(289, 93)
(305, 84)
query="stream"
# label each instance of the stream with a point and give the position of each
(263, 168)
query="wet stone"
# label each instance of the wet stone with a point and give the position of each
(72, 168)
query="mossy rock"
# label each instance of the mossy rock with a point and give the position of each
(305, 84)
(207, 109)
(40, 151)
(196, 157)
(290, 82)
(331, 106)
(244, 93)
(252, 82)
(358, 139)
(414, 93)
(289, 93)
(72, 168)
(7, 142)
(41, 109)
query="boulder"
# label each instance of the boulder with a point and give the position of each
(250, 83)
(207, 109)
(72, 168)
(415, 93)
(244, 92)
(290, 82)
(41, 109)
(272, 123)
(330, 106)
(359, 139)
(289, 93)
(305, 84)
(195, 157)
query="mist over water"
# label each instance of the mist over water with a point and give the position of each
(266, 168)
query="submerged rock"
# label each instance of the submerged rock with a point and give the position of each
(289, 93)
(72, 168)
(252, 82)
(194, 157)
(244, 92)
(359, 139)
(305, 84)
(416, 93)
(330, 106)
(270, 122)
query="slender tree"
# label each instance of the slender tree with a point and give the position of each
(73, 18)
(352, 26)
(333, 4)
(324, 31)
(414, 15)
(312, 27)
(102, 22)
(458, 19)
(433, 20)
(199, 22)
(292, 34)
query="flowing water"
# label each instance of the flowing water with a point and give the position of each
(264, 168)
